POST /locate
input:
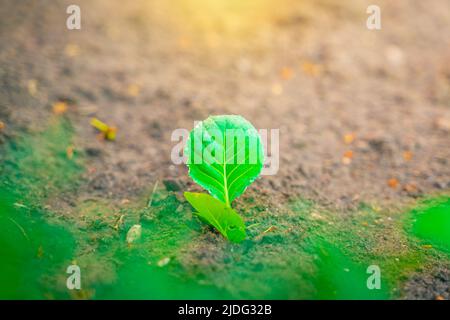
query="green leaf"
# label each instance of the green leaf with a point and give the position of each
(216, 213)
(224, 155)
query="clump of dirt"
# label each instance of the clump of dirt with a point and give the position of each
(429, 287)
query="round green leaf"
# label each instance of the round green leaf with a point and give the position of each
(224, 155)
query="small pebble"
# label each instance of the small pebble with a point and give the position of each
(163, 262)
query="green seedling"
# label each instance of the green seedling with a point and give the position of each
(216, 213)
(224, 155)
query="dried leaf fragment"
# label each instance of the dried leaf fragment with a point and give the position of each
(108, 132)
(347, 158)
(69, 152)
(407, 155)
(393, 183)
(59, 107)
(133, 90)
(349, 138)
(286, 73)
(311, 69)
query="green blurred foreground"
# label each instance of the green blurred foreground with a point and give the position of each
(310, 254)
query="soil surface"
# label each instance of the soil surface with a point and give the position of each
(364, 115)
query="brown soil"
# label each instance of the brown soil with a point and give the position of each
(310, 68)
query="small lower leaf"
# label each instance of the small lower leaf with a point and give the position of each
(217, 214)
